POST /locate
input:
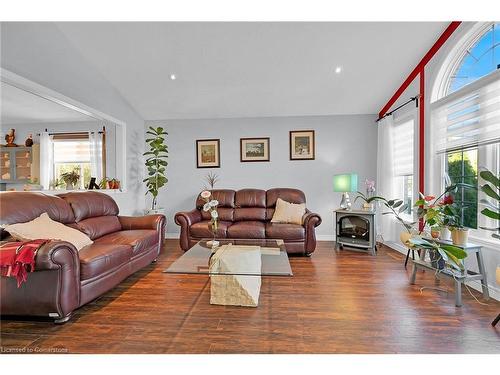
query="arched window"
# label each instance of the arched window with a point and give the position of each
(479, 60)
(465, 120)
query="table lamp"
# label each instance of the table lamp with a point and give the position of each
(345, 183)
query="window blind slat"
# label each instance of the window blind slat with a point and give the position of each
(402, 148)
(470, 115)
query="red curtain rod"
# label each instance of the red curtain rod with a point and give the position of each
(441, 40)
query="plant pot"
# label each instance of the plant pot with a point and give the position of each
(445, 234)
(70, 186)
(404, 237)
(435, 233)
(156, 211)
(437, 260)
(459, 236)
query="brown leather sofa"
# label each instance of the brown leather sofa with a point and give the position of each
(64, 278)
(247, 213)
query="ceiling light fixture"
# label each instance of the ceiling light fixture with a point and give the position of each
(338, 69)
(172, 77)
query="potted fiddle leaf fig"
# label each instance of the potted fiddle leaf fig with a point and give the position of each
(492, 205)
(156, 164)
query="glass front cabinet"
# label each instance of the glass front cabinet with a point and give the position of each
(15, 164)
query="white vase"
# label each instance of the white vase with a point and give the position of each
(445, 234)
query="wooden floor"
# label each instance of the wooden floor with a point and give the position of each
(343, 302)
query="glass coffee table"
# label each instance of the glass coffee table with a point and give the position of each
(235, 267)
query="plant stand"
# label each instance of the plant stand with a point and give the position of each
(459, 278)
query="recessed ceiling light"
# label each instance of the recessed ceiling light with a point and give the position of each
(172, 77)
(338, 69)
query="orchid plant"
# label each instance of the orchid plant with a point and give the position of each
(211, 206)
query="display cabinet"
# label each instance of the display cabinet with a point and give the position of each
(15, 164)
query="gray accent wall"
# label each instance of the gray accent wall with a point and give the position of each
(344, 144)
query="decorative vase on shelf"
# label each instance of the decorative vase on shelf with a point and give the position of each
(459, 236)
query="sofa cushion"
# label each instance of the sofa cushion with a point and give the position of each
(226, 204)
(22, 206)
(139, 239)
(98, 258)
(87, 204)
(43, 227)
(96, 227)
(247, 229)
(289, 195)
(201, 230)
(249, 213)
(250, 198)
(285, 231)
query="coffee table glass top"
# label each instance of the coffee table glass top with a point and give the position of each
(252, 257)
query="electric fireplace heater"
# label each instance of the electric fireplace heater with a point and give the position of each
(356, 229)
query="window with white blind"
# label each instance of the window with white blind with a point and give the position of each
(72, 153)
(403, 160)
(465, 132)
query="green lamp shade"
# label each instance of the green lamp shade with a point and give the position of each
(345, 183)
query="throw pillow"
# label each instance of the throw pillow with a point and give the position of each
(289, 213)
(43, 227)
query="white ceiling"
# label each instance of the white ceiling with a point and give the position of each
(22, 107)
(253, 69)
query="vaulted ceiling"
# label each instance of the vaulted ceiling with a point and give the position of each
(253, 69)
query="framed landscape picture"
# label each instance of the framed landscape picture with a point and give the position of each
(254, 149)
(208, 153)
(302, 145)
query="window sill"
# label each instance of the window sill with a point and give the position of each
(492, 244)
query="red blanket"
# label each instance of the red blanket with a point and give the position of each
(17, 258)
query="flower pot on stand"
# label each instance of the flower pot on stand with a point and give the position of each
(459, 236)
(445, 234)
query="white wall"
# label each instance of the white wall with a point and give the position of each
(41, 53)
(491, 249)
(343, 144)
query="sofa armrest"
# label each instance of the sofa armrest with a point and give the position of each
(185, 220)
(311, 220)
(52, 290)
(188, 217)
(142, 222)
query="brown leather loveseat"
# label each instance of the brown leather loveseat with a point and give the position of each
(64, 278)
(247, 213)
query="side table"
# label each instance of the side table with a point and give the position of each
(459, 278)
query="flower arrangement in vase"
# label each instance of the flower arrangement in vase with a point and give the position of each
(211, 206)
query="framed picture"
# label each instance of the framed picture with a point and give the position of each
(302, 145)
(254, 149)
(208, 153)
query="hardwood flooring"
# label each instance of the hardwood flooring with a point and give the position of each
(336, 302)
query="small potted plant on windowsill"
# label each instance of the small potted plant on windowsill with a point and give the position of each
(70, 179)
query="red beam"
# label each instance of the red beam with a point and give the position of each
(421, 132)
(420, 67)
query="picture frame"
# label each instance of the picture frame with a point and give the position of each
(254, 149)
(302, 145)
(208, 153)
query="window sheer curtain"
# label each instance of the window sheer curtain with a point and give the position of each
(46, 160)
(95, 142)
(386, 225)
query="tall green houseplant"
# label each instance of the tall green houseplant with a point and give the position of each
(492, 209)
(156, 162)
